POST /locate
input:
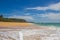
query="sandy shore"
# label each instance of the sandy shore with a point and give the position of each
(17, 25)
(4, 24)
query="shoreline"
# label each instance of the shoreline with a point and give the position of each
(18, 26)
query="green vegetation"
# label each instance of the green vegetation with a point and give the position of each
(2, 19)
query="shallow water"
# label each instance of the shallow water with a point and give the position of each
(49, 24)
(30, 35)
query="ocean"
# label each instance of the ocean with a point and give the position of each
(49, 24)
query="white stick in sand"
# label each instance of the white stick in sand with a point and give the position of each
(21, 35)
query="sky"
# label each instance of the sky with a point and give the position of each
(45, 11)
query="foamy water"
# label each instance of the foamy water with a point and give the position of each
(53, 33)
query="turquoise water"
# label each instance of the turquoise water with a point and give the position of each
(49, 24)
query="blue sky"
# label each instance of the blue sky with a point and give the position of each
(31, 10)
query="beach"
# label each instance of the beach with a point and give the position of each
(27, 31)
(18, 25)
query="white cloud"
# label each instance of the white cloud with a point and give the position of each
(55, 6)
(27, 13)
(51, 16)
(39, 8)
(52, 6)
(22, 17)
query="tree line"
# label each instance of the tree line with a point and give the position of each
(2, 19)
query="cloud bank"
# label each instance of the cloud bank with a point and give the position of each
(52, 16)
(52, 7)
